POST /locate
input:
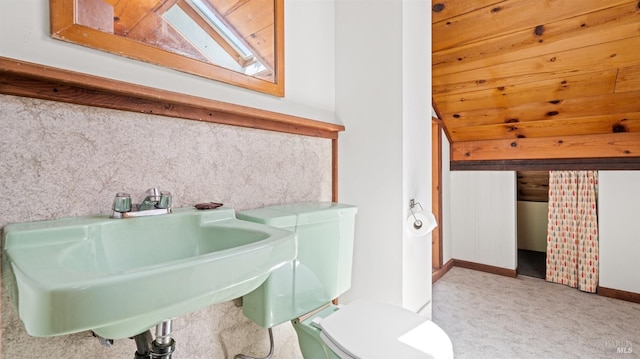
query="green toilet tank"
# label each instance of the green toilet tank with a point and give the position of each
(321, 270)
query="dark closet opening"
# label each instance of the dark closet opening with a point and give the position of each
(533, 199)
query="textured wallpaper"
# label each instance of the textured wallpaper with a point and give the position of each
(59, 160)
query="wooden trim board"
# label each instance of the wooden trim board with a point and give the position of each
(438, 273)
(20, 78)
(619, 294)
(436, 192)
(621, 145)
(548, 164)
(512, 273)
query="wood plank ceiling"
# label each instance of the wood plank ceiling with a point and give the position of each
(537, 79)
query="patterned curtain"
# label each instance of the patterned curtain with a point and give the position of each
(572, 234)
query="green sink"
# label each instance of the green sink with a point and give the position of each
(120, 277)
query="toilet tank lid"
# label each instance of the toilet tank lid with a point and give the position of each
(292, 214)
(369, 329)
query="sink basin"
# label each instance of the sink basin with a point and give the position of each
(120, 277)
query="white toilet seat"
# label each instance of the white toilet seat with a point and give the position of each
(370, 330)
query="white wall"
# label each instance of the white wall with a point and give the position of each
(480, 223)
(382, 98)
(309, 59)
(483, 217)
(369, 103)
(416, 27)
(619, 224)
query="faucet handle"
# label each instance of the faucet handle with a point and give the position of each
(165, 200)
(122, 202)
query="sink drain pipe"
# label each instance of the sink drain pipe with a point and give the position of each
(143, 340)
(163, 345)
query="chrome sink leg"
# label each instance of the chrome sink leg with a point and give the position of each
(163, 345)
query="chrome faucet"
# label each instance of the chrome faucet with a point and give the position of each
(156, 202)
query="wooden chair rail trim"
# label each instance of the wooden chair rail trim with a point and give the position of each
(27, 79)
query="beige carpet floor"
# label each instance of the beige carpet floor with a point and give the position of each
(491, 316)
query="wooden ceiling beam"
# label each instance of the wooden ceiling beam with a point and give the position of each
(615, 145)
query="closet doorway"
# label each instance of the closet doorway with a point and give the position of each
(532, 220)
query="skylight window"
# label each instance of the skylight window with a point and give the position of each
(204, 28)
(219, 26)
